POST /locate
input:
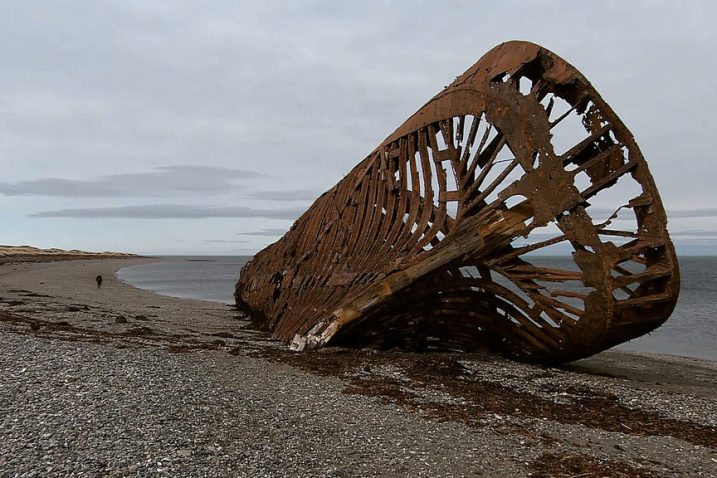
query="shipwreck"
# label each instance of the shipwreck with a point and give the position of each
(438, 239)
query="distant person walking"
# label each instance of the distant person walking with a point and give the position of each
(98, 279)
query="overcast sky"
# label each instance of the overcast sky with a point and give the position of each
(167, 127)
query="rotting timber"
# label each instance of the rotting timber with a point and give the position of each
(437, 240)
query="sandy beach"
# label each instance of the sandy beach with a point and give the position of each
(119, 381)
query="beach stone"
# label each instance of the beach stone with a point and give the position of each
(118, 404)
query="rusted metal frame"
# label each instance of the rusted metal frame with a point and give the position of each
(393, 246)
(643, 300)
(630, 250)
(350, 213)
(630, 293)
(492, 186)
(542, 273)
(552, 302)
(433, 222)
(432, 260)
(552, 336)
(536, 292)
(391, 205)
(534, 312)
(464, 324)
(647, 275)
(519, 251)
(307, 234)
(376, 295)
(485, 161)
(427, 190)
(325, 241)
(345, 221)
(364, 189)
(527, 333)
(371, 218)
(489, 163)
(417, 207)
(545, 339)
(384, 269)
(462, 175)
(438, 215)
(560, 312)
(346, 225)
(576, 150)
(303, 280)
(438, 160)
(312, 287)
(617, 233)
(459, 131)
(374, 208)
(601, 156)
(517, 338)
(379, 226)
(453, 140)
(568, 293)
(414, 197)
(604, 181)
(361, 205)
(559, 119)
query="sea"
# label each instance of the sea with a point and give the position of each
(691, 331)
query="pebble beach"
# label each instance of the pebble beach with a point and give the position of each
(119, 381)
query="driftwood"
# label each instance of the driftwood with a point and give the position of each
(433, 241)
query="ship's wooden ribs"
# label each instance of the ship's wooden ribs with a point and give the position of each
(437, 239)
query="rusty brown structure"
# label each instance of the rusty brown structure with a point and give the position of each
(436, 240)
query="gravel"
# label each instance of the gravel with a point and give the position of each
(123, 382)
(95, 410)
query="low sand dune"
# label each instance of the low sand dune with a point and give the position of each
(35, 254)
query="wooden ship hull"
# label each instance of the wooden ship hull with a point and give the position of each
(436, 240)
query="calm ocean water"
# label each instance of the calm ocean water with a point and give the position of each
(691, 331)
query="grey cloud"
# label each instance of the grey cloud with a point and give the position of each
(272, 231)
(287, 195)
(171, 211)
(600, 213)
(222, 241)
(696, 233)
(305, 90)
(161, 181)
(671, 214)
(692, 213)
(57, 187)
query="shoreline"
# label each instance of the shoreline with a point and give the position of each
(640, 353)
(159, 260)
(205, 394)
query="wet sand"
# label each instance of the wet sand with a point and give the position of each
(123, 382)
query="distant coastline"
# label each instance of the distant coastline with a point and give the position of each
(35, 254)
